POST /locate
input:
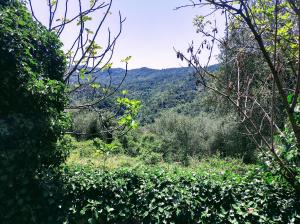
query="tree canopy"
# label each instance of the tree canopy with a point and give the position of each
(32, 117)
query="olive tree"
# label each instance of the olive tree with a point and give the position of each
(273, 29)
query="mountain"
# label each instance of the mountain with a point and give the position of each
(158, 89)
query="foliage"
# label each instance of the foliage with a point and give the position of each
(137, 143)
(130, 109)
(32, 146)
(258, 89)
(90, 124)
(184, 137)
(158, 90)
(287, 147)
(209, 191)
(174, 90)
(156, 196)
(32, 119)
(104, 124)
(152, 158)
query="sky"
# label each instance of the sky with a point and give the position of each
(151, 30)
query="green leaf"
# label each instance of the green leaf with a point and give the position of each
(124, 92)
(82, 74)
(106, 67)
(290, 98)
(126, 59)
(89, 77)
(95, 85)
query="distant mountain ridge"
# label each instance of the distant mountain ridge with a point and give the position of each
(144, 74)
(158, 89)
(161, 89)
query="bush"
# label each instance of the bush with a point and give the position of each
(89, 125)
(156, 196)
(113, 148)
(32, 117)
(184, 137)
(152, 158)
(137, 143)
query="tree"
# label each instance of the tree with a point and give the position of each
(274, 27)
(36, 81)
(88, 56)
(32, 117)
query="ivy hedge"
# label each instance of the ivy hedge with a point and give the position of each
(32, 117)
(156, 196)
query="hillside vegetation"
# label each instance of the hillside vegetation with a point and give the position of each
(158, 90)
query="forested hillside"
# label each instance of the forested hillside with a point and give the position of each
(158, 90)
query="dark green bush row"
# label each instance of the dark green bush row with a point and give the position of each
(156, 196)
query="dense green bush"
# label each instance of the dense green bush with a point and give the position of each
(138, 142)
(156, 196)
(32, 120)
(151, 158)
(204, 135)
(90, 124)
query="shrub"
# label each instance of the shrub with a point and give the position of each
(136, 143)
(31, 114)
(114, 147)
(89, 125)
(184, 137)
(155, 196)
(152, 158)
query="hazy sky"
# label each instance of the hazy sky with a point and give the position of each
(151, 30)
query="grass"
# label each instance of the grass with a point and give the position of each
(85, 154)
